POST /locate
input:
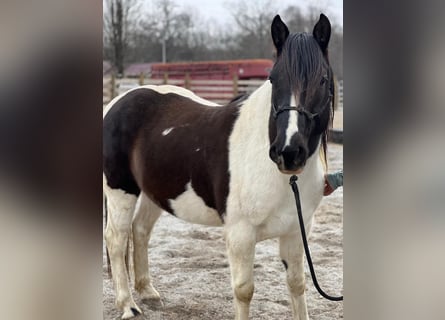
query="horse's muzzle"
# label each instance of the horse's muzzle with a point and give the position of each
(290, 160)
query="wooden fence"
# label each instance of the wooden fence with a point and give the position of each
(219, 91)
(340, 93)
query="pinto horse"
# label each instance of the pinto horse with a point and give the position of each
(222, 166)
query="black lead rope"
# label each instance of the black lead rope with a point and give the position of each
(293, 183)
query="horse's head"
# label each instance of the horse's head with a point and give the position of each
(302, 91)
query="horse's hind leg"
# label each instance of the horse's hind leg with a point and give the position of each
(291, 252)
(120, 210)
(145, 218)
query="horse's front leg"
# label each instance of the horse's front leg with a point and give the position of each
(240, 241)
(291, 252)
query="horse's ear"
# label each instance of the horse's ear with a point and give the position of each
(279, 33)
(322, 32)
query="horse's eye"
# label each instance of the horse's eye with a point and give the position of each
(323, 80)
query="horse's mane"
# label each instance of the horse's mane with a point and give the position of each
(238, 99)
(306, 71)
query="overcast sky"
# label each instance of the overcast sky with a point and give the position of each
(215, 8)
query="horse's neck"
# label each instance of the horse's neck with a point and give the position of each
(254, 115)
(257, 187)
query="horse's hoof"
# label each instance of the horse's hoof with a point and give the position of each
(151, 299)
(135, 311)
(150, 295)
(154, 303)
(131, 312)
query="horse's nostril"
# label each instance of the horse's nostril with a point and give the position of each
(302, 152)
(299, 150)
(273, 152)
(275, 155)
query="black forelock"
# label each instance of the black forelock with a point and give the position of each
(304, 62)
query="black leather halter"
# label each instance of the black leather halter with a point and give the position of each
(277, 110)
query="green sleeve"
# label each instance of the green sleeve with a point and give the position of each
(335, 179)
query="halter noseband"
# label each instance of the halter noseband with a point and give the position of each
(299, 109)
(277, 110)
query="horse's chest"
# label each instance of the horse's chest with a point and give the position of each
(270, 206)
(284, 218)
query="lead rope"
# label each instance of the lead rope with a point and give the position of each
(293, 183)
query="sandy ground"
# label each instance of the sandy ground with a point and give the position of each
(190, 270)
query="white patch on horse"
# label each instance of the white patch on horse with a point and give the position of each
(270, 206)
(167, 131)
(197, 149)
(247, 168)
(118, 200)
(292, 125)
(190, 207)
(162, 89)
(165, 89)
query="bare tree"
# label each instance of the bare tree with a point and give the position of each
(170, 27)
(253, 19)
(119, 21)
(186, 36)
(296, 20)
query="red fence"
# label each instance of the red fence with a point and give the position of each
(219, 91)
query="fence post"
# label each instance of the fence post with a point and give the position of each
(113, 86)
(235, 85)
(141, 79)
(187, 80)
(165, 77)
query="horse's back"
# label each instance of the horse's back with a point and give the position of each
(167, 141)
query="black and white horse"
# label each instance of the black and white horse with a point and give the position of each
(222, 166)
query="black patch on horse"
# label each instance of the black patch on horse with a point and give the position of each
(158, 143)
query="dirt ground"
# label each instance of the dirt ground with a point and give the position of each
(190, 270)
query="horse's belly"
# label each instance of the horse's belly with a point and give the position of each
(190, 207)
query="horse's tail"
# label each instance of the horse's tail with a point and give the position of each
(106, 249)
